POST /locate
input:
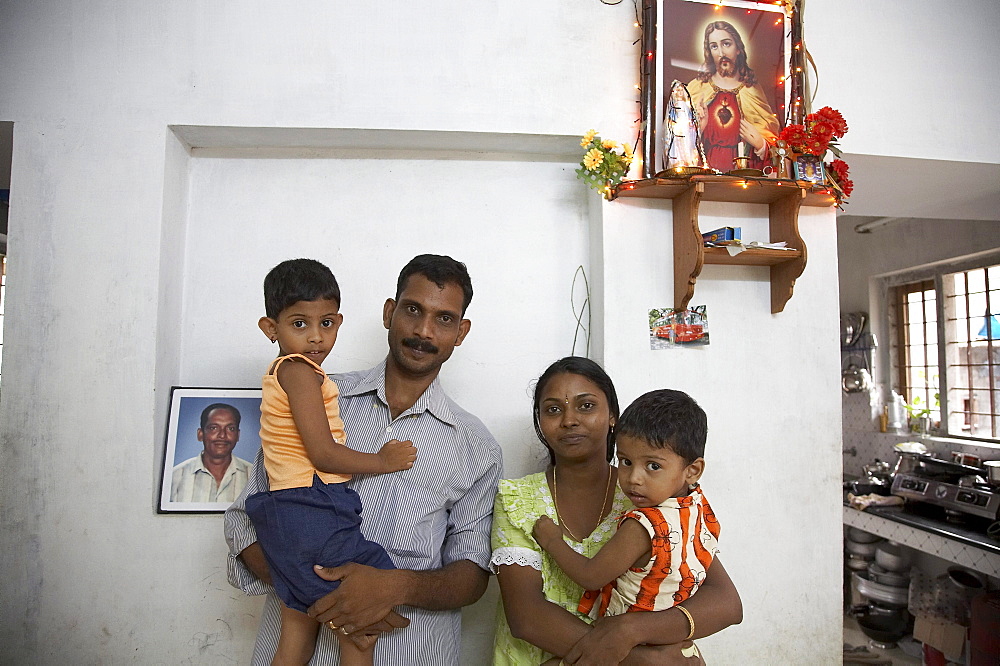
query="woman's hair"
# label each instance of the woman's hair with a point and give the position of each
(577, 365)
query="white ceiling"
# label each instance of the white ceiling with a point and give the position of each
(917, 188)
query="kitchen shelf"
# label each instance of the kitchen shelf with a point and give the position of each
(943, 540)
(783, 197)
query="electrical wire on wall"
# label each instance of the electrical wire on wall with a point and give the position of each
(638, 25)
(584, 312)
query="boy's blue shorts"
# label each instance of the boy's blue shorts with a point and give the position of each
(300, 527)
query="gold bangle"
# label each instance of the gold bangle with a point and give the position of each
(687, 614)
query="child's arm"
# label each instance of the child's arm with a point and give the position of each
(716, 606)
(302, 386)
(630, 546)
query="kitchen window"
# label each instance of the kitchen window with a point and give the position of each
(945, 329)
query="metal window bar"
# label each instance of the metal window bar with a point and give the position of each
(972, 362)
(990, 365)
(916, 305)
(990, 348)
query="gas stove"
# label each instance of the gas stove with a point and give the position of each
(944, 490)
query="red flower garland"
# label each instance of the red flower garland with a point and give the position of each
(839, 170)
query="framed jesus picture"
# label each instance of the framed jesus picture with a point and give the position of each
(733, 58)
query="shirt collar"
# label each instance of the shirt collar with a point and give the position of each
(432, 400)
(200, 467)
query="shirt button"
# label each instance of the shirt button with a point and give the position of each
(389, 430)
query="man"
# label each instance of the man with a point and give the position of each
(434, 519)
(215, 474)
(735, 117)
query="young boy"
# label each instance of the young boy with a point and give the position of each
(309, 516)
(662, 549)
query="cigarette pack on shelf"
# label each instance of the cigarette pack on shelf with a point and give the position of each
(723, 234)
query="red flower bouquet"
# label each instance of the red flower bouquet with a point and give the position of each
(817, 135)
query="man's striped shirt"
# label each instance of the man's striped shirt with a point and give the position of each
(436, 513)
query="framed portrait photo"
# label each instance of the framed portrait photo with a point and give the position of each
(734, 58)
(213, 436)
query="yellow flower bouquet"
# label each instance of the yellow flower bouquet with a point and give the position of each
(604, 162)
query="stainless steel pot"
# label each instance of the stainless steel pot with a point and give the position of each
(855, 379)
(882, 575)
(887, 595)
(892, 557)
(907, 462)
(992, 468)
(860, 536)
(862, 550)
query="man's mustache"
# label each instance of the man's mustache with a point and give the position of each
(417, 344)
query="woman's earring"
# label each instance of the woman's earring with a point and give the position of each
(273, 340)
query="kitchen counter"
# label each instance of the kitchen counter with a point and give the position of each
(927, 531)
(932, 519)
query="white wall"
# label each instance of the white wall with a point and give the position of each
(769, 384)
(909, 76)
(110, 274)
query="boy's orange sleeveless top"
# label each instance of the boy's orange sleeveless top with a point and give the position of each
(285, 457)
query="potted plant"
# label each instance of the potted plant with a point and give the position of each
(919, 415)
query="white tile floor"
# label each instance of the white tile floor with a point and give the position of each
(853, 637)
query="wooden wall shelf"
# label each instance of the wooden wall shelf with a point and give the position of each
(783, 198)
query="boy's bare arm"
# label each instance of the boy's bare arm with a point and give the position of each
(714, 607)
(305, 398)
(629, 545)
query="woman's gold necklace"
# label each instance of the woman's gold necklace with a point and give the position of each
(555, 501)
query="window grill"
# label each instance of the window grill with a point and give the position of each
(947, 336)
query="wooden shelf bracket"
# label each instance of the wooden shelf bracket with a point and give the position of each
(783, 199)
(689, 256)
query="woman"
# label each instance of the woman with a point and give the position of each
(575, 409)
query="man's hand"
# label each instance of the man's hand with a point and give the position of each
(546, 532)
(365, 637)
(397, 456)
(365, 597)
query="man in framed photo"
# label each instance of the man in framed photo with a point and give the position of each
(215, 474)
(735, 116)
